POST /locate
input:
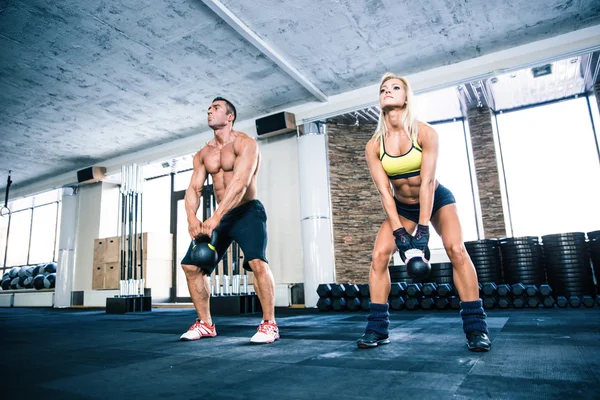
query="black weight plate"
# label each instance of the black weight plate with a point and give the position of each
(518, 247)
(571, 248)
(566, 235)
(483, 241)
(491, 270)
(593, 234)
(527, 239)
(567, 267)
(442, 266)
(444, 280)
(522, 260)
(571, 276)
(518, 278)
(576, 242)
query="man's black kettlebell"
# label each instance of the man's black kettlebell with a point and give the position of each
(418, 265)
(204, 253)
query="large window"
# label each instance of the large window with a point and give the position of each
(551, 167)
(43, 234)
(19, 231)
(453, 172)
(157, 205)
(29, 235)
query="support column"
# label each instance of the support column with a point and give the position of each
(65, 271)
(315, 210)
(486, 172)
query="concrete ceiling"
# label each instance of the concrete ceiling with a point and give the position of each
(83, 82)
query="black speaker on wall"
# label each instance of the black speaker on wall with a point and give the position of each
(91, 174)
(276, 124)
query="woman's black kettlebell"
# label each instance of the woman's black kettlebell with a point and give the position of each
(418, 265)
(204, 252)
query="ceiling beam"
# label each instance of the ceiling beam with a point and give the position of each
(241, 28)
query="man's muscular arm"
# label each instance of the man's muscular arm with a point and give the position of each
(244, 168)
(192, 196)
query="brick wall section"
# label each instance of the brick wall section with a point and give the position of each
(486, 170)
(356, 207)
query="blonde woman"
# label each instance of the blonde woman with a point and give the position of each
(402, 158)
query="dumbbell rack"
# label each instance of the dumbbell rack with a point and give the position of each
(431, 296)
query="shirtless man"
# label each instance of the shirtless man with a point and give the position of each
(232, 159)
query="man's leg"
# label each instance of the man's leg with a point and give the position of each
(264, 285)
(199, 288)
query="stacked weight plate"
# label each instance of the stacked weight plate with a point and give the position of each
(594, 250)
(522, 260)
(485, 255)
(440, 273)
(568, 264)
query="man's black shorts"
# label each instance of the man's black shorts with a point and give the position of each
(247, 225)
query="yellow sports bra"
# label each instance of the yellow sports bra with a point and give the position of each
(402, 166)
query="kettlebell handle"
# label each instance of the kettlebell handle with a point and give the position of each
(426, 254)
(213, 240)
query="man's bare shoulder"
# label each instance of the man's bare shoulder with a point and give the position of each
(242, 141)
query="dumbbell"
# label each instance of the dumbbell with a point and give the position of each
(427, 303)
(562, 302)
(490, 302)
(353, 303)
(352, 291)
(397, 289)
(549, 301)
(531, 290)
(533, 302)
(489, 288)
(429, 289)
(325, 304)
(444, 289)
(365, 303)
(441, 303)
(519, 302)
(412, 303)
(518, 289)
(504, 302)
(397, 303)
(588, 301)
(338, 290)
(503, 290)
(339, 303)
(574, 301)
(455, 303)
(364, 290)
(545, 290)
(414, 289)
(324, 290)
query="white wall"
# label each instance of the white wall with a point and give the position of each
(98, 217)
(279, 192)
(88, 227)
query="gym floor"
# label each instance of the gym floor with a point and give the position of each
(88, 354)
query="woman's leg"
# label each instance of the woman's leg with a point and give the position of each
(447, 224)
(376, 332)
